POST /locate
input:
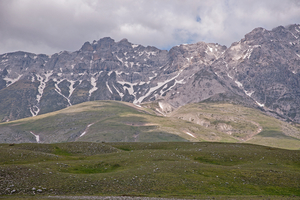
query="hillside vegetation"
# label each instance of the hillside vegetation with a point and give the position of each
(164, 169)
(242, 123)
(114, 121)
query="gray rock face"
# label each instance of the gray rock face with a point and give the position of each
(261, 70)
(265, 65)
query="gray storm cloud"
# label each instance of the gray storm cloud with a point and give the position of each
(50, 26)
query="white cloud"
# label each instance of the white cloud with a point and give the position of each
(50, 26)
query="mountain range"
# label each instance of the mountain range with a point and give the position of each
(260, 71)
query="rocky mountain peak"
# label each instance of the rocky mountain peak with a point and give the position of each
(255, 36)
(261, 70)
(124, 44)
(124, 40)
(87, 47)
(279, 29)
(103, 43)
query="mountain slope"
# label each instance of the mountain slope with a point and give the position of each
(244, 124)
(114, 121)
(260, 71)
(103, 70)
(266, 65)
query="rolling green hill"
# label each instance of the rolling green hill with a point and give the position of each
(242, 123)
(114, 121)
(201, 170)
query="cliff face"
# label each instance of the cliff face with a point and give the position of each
(265, 65)
(261, 70)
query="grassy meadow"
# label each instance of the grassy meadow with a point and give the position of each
(109, 148)
(187, 170)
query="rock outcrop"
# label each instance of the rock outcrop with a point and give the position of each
(261, 70)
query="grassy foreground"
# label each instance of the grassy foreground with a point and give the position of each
(170, 169)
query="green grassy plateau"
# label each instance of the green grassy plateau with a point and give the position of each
(200, 170)
(110, 148)
(115, 121)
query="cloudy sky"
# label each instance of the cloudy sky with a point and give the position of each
(49, 26)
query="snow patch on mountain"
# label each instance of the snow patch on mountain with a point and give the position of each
(130, 88)
(248, 53)
(160, 112)
(261, 105)
(10, 81)
(108, 87)
(188, 133)
(86, 129)
(248, 93)
(121, 72)
(126, 64)
(119, 59)
(71, 87)
(152, 89)
(120, 93)
(296, 37)
(109, 73)
(94, 84)
(176, 82)
(229, 76)
(58, 90)
(34, 110)
(42, 85)
(37, 137)
(239, 84)
(47, 75)
(41, 88)
(151, 77)
(56, 84)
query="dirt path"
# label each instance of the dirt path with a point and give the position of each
(259, 129)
